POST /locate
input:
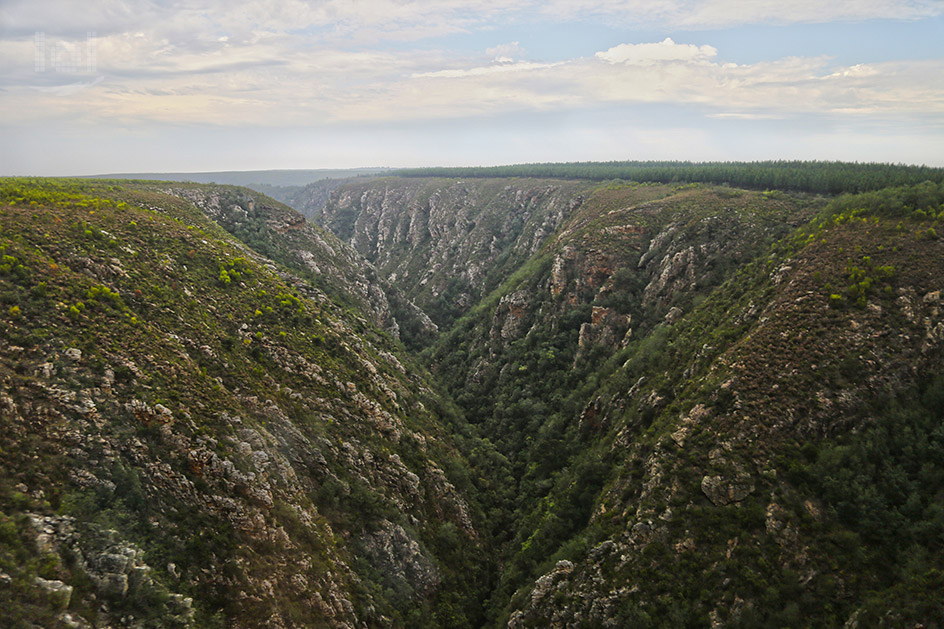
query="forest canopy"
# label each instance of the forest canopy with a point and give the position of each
(804, 176)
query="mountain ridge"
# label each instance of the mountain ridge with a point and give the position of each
(266, 177)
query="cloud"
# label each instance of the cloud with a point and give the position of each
(712, 14)
(502, 65)
(283, 63)
(666, 72)
(283, 79)
(64, 18)
(505, 53)
(727, 13)
(650, 54)
(71, 88)
(745, 116)
(377, 20)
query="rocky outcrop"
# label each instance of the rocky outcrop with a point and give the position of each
(210, 425)
(446, 243)
(115, 568)
(404, 564)
(58, 593)
(276, 231)
(723, 490)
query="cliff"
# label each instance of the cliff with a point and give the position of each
(447, 243)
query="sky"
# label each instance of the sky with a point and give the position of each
(111, 86)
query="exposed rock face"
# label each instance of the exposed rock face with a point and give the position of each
(606, 328)
(510, 316)
(796, 373)
(446, 243)
(209, 427)
(58, 593)
(723, 491)
(401, 559)
(279, 232)
(116, 568)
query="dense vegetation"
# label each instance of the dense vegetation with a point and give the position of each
(752, 523)
(817, 177)
(184, 421)
(852, 499)
(669, 404)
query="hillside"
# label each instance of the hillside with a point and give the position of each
(195, 436)
(275, 179)
(446, 243)
(711, 405)
(279, 233)
(774, 457)
(479, 402)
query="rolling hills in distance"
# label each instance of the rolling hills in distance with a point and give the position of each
(250, 178)
(624, 394)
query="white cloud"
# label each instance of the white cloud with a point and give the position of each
(725, 13)
(668, 73)
(665, 51)
(859, 70)
(505, 53)
(413, 19)
(710, 14)
(503, 65)
(273, 81)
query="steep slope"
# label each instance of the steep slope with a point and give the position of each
(633, 256)
(775, 458)
(282, 234)
(628, 264)
(446, 243)
(696, 423)
(194, 436)
(311, 199)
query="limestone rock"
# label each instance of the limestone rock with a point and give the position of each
(58, 593)
(401, 559)
(723, 490)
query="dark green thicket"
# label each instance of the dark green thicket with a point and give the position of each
(819, 177)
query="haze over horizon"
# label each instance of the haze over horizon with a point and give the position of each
(142, 86)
